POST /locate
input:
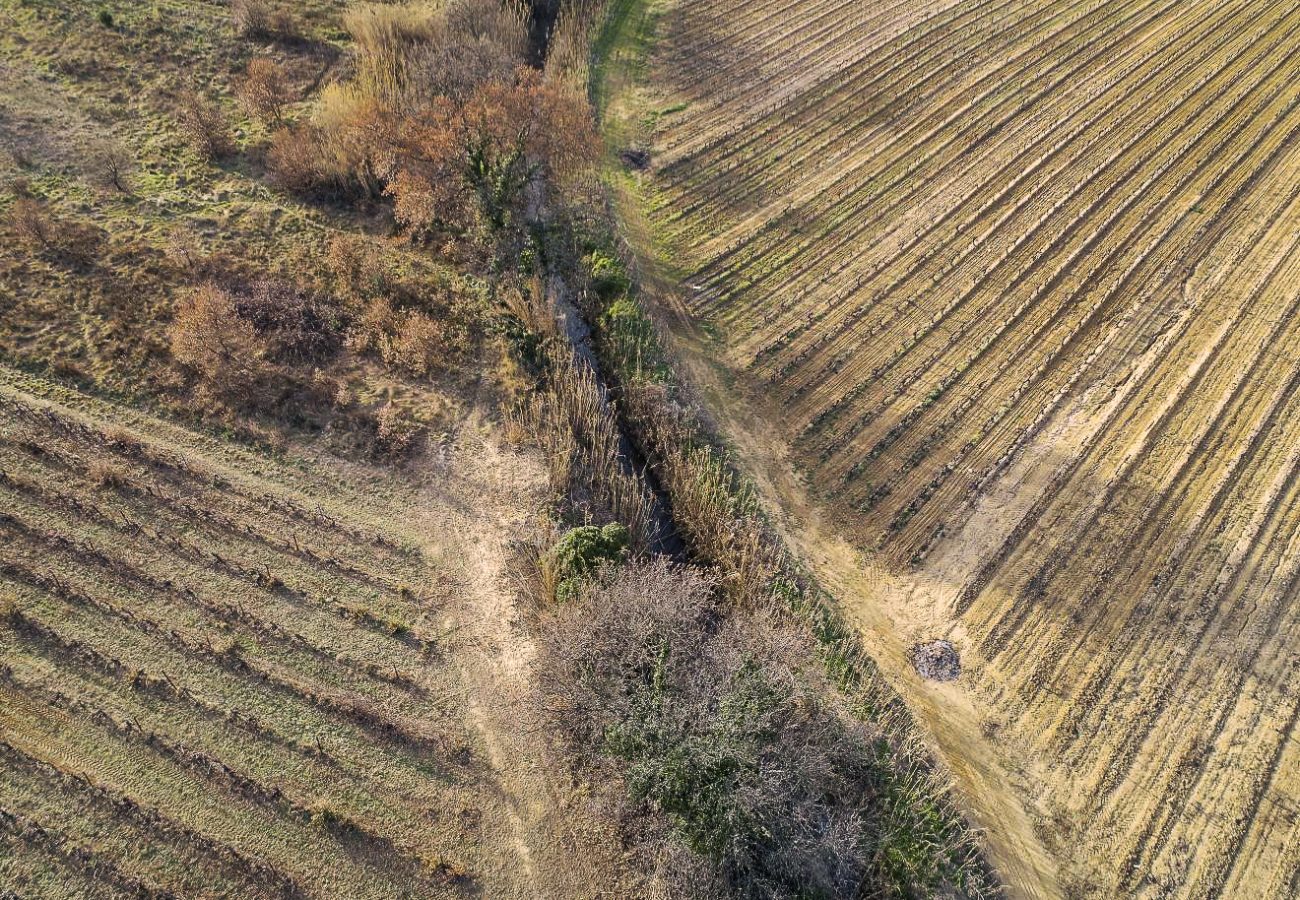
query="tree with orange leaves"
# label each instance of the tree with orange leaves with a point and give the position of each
(461, 163)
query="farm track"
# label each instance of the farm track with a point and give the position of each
(1018, 281)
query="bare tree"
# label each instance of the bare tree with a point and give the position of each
(112, 164)
(205, 127)
(265, 90)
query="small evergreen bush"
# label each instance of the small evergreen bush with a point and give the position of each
(581, 551)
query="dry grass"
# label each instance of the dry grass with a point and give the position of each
(386, 36)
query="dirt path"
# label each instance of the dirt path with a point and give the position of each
(558, 850)
(892, 614)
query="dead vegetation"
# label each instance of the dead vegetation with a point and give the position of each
(441, 116)
(263, 20)
(205, 126)
(211, 336)
(62, 239)
(265, 91)
(716, 723)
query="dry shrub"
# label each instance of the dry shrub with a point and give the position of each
(41, 231)
(346, 149)
(407, 54)
(106, 475)
(265, 90)
(205, 127)
(395, 431)
(182, 249)
(356, 267)
(250, 17)
(243, 342)
(258, 19)
(455, 69)
(295, 159)
(712, 722)
(80, 63)
(357, 139)
(284, 27)
(411, 341)
(296, 325)
(482, 41)
(124, 442)
(416, 109)
(419, 345)
(191, 260)
(348, 258)
(371, 330)
(209, 335)
(416, 321)
(33, 223)
(465, 164)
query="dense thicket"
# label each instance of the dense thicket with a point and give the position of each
(716, 722)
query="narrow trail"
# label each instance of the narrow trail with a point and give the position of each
(556, 852)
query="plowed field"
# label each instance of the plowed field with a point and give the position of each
(1018, 284)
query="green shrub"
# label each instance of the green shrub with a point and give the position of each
(696, 771)
(628, 331)
(609, 277)
(105, 18)
(581, 551)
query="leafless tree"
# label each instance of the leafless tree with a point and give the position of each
(265, 90)
(205, 127)
(112, 164)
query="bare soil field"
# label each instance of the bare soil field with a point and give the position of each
(1010, 288)
(225, 674)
